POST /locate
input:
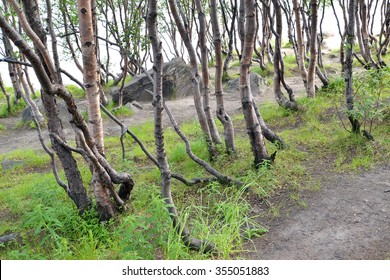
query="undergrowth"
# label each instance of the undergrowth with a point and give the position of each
(32, 204)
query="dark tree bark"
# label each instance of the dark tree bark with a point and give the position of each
(75, 188)
(221, 113)
(231, 32)
(366, 38)
(300, 43)
(6, 94)
(205, 74)
(195, 79)
(103, 173)
(349, 91)
(289, 103)
(11, 67)
(253, 128)
(311, 91)
(159, 135)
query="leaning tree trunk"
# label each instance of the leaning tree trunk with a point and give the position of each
(7, 96)
(45, 71)
(195, 78)
(159, 134)
(205, 74)
(253, 128)
(11, 67)
(300, 43)
(366, 52)
(75, 188)
(311, 87)
(290, 102)
(349, 92)
(221, 113)
(27, 98)
(231, 35)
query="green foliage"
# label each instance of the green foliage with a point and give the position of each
(119, 111)
(371, 97)
(76, 91)
(268, 71)
(15, 108)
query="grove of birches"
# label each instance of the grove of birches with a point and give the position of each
(105, 44)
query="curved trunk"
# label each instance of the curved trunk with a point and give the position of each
(300, 43)
(159, 135)
(27, 98)
(349, 92)
(205, 74)
(75, 188)
(7, 97)
(195, 78)
(253, 128)
(278, 65)
(311, 91)
(221, 113)
(11, 67)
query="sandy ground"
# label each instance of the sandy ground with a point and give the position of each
(348, 219)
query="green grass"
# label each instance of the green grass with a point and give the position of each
(76, 91)
(32, 204)
(15, 108)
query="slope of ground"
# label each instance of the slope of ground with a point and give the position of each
(348, 219)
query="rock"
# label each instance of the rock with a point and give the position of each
(8, 238)
(258, 85)
(8, 164)
(176, 84)
(62, 110)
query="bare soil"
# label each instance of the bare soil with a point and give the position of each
(349, 218)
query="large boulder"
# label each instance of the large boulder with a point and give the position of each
(176, 84)
(62, 111)
(258, 85)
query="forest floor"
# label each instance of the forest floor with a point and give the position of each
(347, 218)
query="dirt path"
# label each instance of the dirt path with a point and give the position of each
(348, 219)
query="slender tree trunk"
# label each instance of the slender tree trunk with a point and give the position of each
(253, 128)
(91, 81)
(205, 74)
(229, 55)
(279, 66)
(75, 188)
(195, 78)
(27, 98)
(311, 91)
(90, 74)
(221, 113)
(67, 38)
(104, 175)
(11, 67)
(53, 38)
(7, 97)
(366, 51)
(349, 91)
(159, 135)
(384, 35)
(300, 43)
